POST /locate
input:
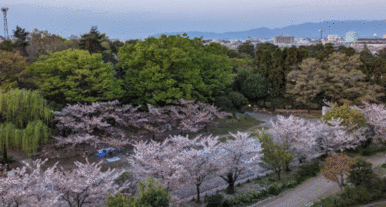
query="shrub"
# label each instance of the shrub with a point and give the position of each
(224, 103)
(152, 196)
(118, 201)
(273, 189)
(361, 172)
(356, 195)
(310, 169)
(238, 100)
(215, 200)
(347, 115)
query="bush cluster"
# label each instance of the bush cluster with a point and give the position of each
(368, 187)
(307, 170)
(262, 193)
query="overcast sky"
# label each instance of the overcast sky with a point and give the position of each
(125, 19)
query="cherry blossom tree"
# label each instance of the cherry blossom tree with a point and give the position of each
(241, 154)
(295, 134)
(376, 118)
(102, 124)
(335, 137)
(179, 161)
(86, 184)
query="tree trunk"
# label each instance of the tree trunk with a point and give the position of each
(231, 185)
(278, 174)
(198, 194)
(287, 167)
(309, 107)
(5, 157)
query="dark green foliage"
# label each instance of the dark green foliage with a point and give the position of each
(273, 190)
(247, 48)
(266, 46)
(238, 100)
(92, 41)
(21, 40)
(366, 54)
(357, 195)
(224, 103)
(152, 195)
(328, 49)
(7, 46)
(361, 172)
(350, 52)
(118, 201)
(232, 54)
(307, 170)
(215, 200)
(255, 86)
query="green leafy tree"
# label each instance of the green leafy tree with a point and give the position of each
(352, 119)
(7, 45)
(378, 70)
(21, 40)
(238, 100)
(24, 121)
(266, 46)
(253, 86)
(350, 52)
(119, 201)
(150, 195)
(276, 74)
(13, 71)
(160, 71)
(233, 54)
(264, 63)
(73, 76)
(247, 48)
(309, 82)
(275, 157)
(92, 41)
(341, 49)
(328, 50)
(345, 83)
(361, 172)
(366, 54)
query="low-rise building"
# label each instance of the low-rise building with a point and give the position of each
(283, 39)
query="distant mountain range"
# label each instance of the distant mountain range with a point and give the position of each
(364, 28)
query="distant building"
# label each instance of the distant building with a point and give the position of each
(333, 37)
(351, 38)
(371, 41)
(384, 36)
(1, 39)
(283, 39)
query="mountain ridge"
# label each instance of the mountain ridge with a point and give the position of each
(364, 28)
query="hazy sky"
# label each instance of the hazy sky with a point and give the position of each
(139, 19)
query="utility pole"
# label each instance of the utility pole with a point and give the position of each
(4, 10)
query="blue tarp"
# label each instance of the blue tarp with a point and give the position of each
(103, 152)
(113, 159)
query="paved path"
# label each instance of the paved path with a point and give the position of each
(311, 190)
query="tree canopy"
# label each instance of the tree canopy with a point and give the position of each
(72, 76)
(160, 71)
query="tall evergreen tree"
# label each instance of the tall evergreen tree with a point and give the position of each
(21, 40)
(92, 41)
(276, 74)
(328, 49)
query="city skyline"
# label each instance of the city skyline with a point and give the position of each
(132, 20)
